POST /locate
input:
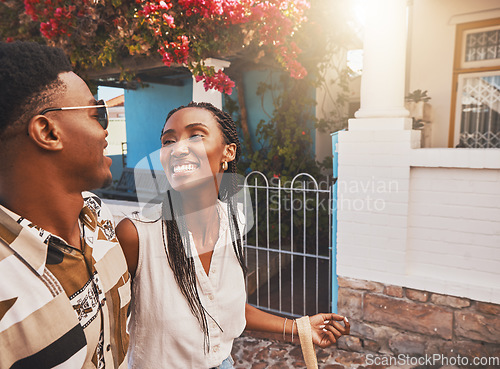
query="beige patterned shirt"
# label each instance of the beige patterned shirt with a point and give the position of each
(62, 306)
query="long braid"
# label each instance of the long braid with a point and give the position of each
(179, 256)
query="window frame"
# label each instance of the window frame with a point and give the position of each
(461, 68)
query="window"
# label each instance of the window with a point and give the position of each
(475, 115)
(481, 46)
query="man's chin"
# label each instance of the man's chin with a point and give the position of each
(107, 181)
(103, 184)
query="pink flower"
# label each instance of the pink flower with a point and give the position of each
(169, 20)
(218, 81)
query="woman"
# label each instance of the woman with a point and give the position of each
(188, 293)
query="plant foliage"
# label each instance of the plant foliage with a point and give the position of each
(97, 33)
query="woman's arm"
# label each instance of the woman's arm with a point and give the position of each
(326, 328)
(129, 241)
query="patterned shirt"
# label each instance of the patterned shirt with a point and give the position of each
(59, 305)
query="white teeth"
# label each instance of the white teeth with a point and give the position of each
(184, 168)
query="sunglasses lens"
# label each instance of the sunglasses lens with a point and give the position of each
(103, 114)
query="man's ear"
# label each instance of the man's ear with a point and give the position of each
(230, 152)
(45, 133)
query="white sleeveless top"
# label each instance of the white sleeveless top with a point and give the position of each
(163, 331)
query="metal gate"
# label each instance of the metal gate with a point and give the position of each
(288, 251)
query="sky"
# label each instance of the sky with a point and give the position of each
(107, 93)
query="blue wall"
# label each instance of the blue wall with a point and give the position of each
(255, 113)
(116, 166)
(146, 110)
(251, 80)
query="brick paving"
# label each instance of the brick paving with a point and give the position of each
(252, 351)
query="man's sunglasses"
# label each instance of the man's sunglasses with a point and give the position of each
(102, 111)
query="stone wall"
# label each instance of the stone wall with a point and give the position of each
(394, 320)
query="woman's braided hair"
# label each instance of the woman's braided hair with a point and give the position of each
(177, 247)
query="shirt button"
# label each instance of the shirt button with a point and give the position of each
(108, 347)
(211, 297)
(216, 348)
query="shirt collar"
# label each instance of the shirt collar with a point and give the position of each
(28, 241)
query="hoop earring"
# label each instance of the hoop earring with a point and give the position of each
(224, 166)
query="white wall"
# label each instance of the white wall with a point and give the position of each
(117, 133)
(454, 231)
(420, 218)
(372, 206)
(432, 46)
(121, 209)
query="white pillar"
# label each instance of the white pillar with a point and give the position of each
(383, 79)
(212, 96)
(374, 158)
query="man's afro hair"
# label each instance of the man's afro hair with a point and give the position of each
(26, 69)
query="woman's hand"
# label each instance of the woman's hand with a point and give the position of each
(327, 328)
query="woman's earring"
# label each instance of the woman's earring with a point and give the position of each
(224, 166)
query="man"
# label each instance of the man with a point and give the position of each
(64, 289)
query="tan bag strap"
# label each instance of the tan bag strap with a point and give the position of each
(305, 336)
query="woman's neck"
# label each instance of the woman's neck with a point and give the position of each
(199, 209)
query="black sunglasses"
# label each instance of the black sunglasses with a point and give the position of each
(102, 111)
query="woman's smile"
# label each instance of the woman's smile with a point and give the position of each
(183, 168)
